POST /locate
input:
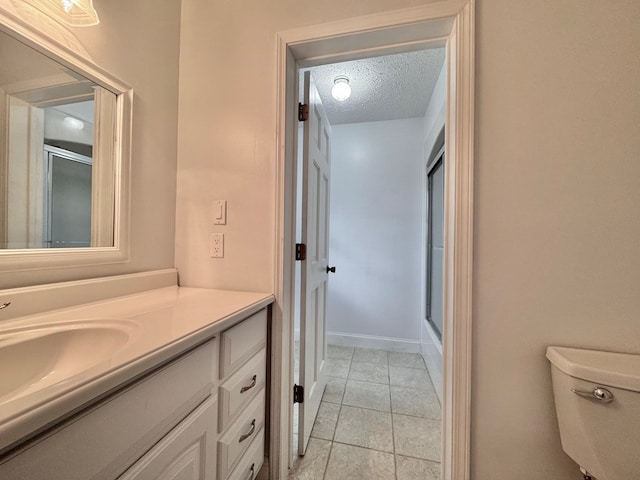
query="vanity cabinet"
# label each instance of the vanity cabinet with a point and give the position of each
(199, 417)
(241, 398)
(101, 441)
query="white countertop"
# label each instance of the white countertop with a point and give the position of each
(160, 323)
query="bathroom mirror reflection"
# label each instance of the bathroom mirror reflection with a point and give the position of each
(57, 131)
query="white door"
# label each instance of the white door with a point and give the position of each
(314, 271)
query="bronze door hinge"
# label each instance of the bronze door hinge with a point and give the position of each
(298, 394)
(301, 251)
(303, 112)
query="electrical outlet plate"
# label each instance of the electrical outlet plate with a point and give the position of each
(216, 245)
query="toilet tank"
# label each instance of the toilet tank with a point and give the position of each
(602, 435)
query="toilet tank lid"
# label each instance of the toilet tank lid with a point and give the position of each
(621, 370)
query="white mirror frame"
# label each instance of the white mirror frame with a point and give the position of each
(59, 44)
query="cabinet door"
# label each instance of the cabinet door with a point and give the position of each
(186, 453)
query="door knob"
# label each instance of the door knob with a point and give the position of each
(331, 269)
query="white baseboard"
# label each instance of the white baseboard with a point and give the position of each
(432, 354)
(372, 341)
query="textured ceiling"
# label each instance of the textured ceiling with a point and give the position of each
(382, 88)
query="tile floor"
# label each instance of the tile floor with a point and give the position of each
(379, 419)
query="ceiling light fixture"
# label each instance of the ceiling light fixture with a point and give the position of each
(76, 13)
(74, 123)
(341, 89)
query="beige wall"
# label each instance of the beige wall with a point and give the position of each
(227, 131)
(556, 212)
(557, 189)
(139, 43)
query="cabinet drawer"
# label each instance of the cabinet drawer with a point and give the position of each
(240, 388)
(252, 461)
(105, 439)
(187, 452)
(241, 342)
(239, 436)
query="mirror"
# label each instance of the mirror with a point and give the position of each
(51, 152)
(64, 127)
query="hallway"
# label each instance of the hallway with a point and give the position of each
(379, 419)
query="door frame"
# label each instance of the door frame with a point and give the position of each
(450, 23)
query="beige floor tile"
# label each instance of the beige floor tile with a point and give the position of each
(414, 469)
(314, 462)
(410, 377)
(263, 474)
(334, 391)
(418, 403)
(369, 372)
(339, 351)
(337, 367)
(353, 463)
(325, 424)
(365, 428)
(370, 355)
(417, 437)
(367, 395)
(407, 360)
(362, 427)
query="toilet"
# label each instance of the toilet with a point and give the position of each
(597, 398)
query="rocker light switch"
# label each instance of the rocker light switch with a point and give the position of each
(220, 212)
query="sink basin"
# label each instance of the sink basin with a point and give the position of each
(38, 357)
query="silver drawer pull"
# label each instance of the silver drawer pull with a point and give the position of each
(251, 385)
(598, 393)
(252, 471)
(249, 433)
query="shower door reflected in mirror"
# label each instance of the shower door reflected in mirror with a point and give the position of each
(67, 211)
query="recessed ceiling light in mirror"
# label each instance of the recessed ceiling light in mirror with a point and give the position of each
(74, 123)
(341, 89)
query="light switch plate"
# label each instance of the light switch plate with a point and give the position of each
(216, 245)
(220, 212)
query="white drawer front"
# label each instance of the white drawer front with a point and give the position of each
(242, 341)
(109, 437)
(252, 461)
(239, 436)
(240, 388)
(187, 453)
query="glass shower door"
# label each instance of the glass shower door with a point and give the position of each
(435, 244)
(68, 199)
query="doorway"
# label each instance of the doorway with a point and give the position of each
(450, 23)
(380, 139)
